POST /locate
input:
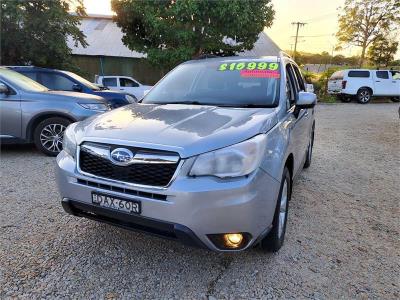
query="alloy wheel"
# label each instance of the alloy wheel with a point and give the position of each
(51, 137)
(283, 209)
(364, 96)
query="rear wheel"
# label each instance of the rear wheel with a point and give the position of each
(48, 135)
(364, 95)
(275, 238)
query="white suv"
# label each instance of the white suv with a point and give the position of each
(125, 84)
(364, 84)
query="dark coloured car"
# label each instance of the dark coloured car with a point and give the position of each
(58, 80)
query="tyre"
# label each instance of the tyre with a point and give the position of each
(48, 135)
(396, 99)
(344, 99)
(275, 238)
(364, 95)
(307, 163)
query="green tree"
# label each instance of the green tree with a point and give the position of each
(172, 31)
(36, 31)
(382, 51)
(362, 21)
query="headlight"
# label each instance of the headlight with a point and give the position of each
(69, 140)
(233, 161)
(131, 99)
(95, 106)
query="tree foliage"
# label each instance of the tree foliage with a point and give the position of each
(36, 31)
(382, 51)
(172, 31)
(362, 21)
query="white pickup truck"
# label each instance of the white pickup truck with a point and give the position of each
(123, 83)
(365, 84)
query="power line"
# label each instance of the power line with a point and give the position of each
(298, 24)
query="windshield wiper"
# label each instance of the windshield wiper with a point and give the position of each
(254, 106)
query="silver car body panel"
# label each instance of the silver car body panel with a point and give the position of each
(19, 110)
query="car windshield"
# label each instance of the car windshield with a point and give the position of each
(236, 83)
(21, 81)
(83, 81)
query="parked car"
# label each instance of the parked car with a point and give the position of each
(58, 80)
(125, 84)
(29, 112)
(364, 84)
(208, 157)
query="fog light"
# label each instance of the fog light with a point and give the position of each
(233, 240)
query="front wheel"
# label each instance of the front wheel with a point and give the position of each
(48, 135)
(274, 240)
(307, 163)
(364, 96)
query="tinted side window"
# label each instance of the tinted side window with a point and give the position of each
(299, 77)
(382, 74)
(56, 82)
(110, 81)
(363, 74)
(396, 75)
(290, 87)
(127, 82)
(31, 75)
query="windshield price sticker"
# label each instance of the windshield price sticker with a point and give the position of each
(251, 65)
(260, 74)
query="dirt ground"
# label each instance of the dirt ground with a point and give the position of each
(342, 239)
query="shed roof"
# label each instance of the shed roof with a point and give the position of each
(105, 38)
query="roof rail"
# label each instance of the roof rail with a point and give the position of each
(284, 54)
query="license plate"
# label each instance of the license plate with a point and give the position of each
(115, 203)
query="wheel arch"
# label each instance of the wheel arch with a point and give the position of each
(289, 163)
(34, 122)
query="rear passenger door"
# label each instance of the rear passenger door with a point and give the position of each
(384, 84)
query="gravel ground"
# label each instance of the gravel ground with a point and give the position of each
(342, 239)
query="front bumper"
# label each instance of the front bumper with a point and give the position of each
(188, 210)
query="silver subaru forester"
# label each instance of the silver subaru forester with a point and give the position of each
(207, 157)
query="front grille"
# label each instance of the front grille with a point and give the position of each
(152, 174)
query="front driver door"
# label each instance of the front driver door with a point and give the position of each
(10, 114)
(301, 127)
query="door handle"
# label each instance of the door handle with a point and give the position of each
(378, 81)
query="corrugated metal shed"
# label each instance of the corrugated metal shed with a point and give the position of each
(105, 38)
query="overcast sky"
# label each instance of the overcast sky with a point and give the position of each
(320, 16)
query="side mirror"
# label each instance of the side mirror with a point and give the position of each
(4, 89)
(306, 100)
(310, 88)
(77, 87)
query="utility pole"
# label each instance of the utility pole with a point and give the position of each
(298, 24)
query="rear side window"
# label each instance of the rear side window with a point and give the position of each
(110, 81)
(338, 75)
(382, 74)
(361, 74)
